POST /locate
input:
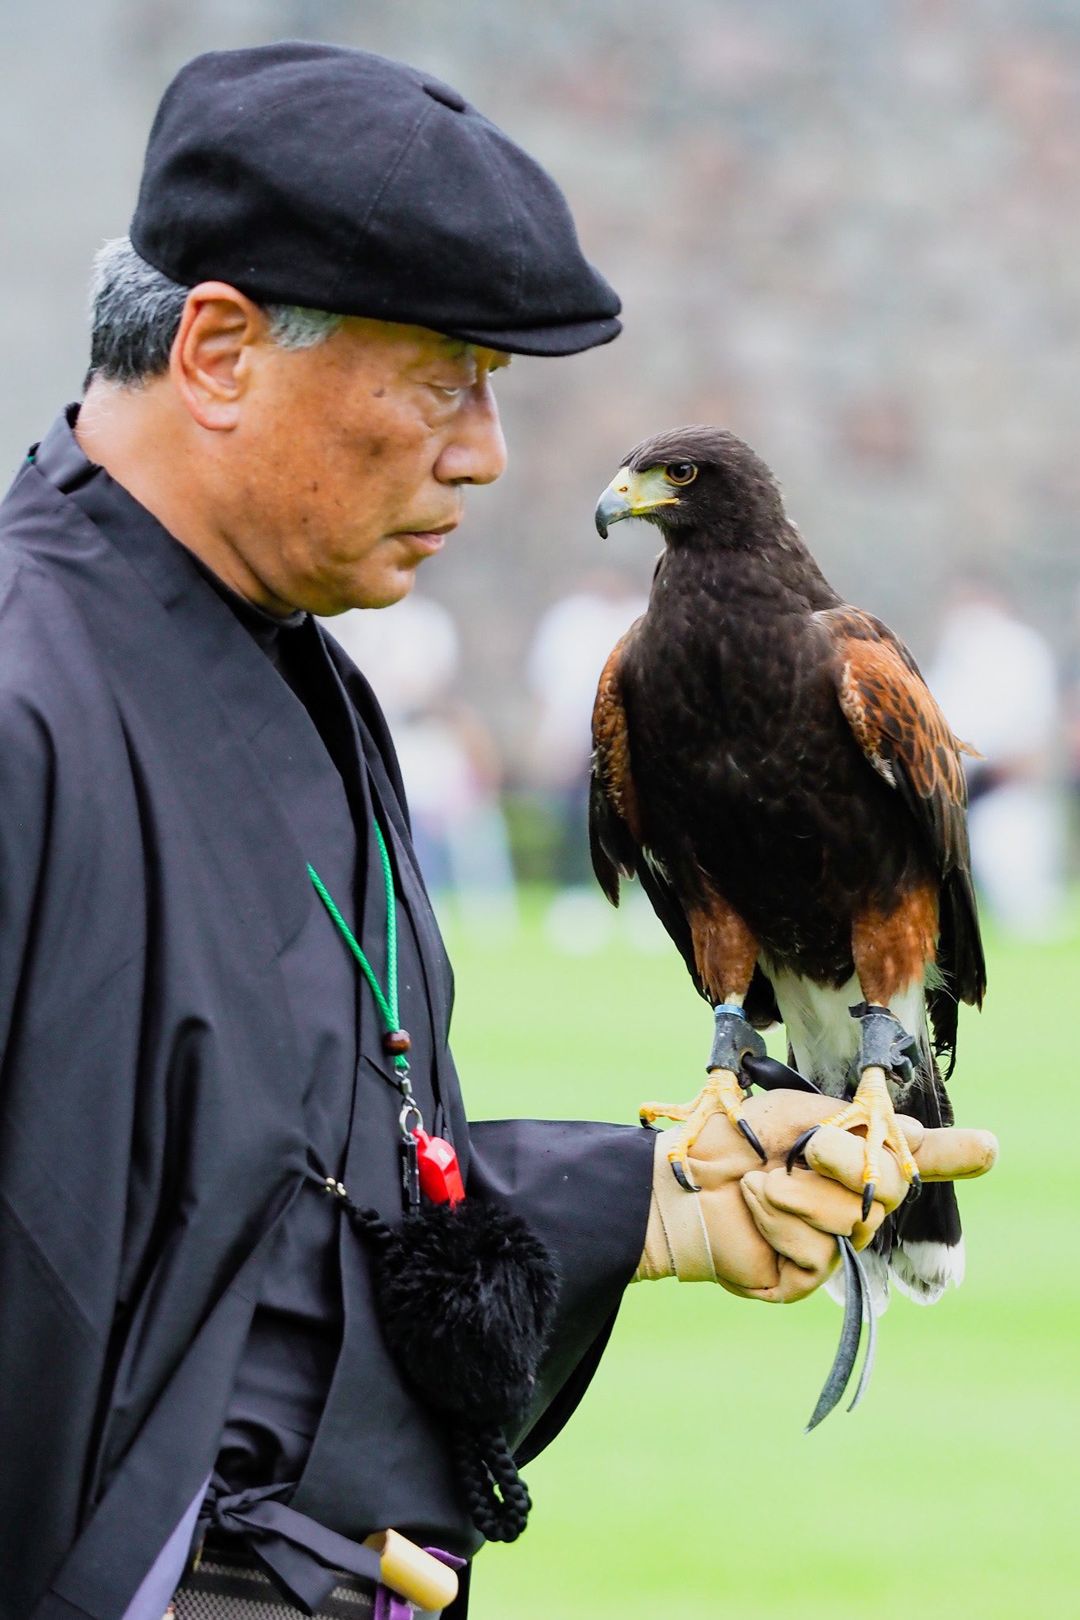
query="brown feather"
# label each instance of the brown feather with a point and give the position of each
(725, 950)
(892, 949)
(611, 739)
(897, 722)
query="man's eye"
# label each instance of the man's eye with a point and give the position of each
(448, 393)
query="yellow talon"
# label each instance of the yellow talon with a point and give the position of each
(871, 1109)
(721, 1094)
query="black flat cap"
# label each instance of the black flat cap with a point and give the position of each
(317, 175)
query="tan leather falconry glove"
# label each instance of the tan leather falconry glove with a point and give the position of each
(767, 1234)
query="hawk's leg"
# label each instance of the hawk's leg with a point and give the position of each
(725, 953)
(892, 951)
(883, 1051)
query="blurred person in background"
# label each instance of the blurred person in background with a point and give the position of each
(1072, 729)
(449, 760)
(997, 680)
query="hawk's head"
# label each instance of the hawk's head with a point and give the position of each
(696, 482)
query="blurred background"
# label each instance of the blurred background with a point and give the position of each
(850, 232)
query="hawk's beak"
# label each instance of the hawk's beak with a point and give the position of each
(632, 495)
(614, 503)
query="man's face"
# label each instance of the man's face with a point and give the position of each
(351, 461)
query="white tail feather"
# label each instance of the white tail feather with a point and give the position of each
(923, 1270)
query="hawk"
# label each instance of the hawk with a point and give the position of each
(769, 762)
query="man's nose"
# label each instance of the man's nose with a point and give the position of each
(476, 452)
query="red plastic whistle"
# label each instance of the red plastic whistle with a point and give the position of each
(440, 1174)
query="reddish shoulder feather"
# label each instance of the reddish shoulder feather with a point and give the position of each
(899, 726)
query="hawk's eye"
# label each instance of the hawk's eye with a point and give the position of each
(680, 472)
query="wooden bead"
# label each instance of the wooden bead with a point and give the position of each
(396, 1042)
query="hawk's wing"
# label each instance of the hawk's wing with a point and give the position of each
(614, 816)
(906, 738)
(616, 835)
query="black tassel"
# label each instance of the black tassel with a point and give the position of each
(466, 1296)
(497, 1496)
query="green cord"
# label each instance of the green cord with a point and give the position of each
(388, 1003)
(391, 929)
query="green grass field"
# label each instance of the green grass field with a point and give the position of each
(684, 1485)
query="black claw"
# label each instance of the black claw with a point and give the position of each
(916, 1186)
(795, 1151)
(682, 1178)
(868, 1198)
(753, 1141)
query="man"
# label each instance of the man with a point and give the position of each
(290, 390)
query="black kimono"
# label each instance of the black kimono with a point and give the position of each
(180, 1029)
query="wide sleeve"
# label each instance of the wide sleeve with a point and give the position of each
(70, 944)
(584, 1190)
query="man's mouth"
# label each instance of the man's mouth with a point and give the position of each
(427, 540)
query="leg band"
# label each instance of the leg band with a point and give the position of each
(884, 1042)
(733, 1038)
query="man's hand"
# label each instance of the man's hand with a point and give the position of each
(767, 1234)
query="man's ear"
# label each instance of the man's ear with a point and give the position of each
(211, 359)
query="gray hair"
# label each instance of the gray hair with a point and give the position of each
(135, 313)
